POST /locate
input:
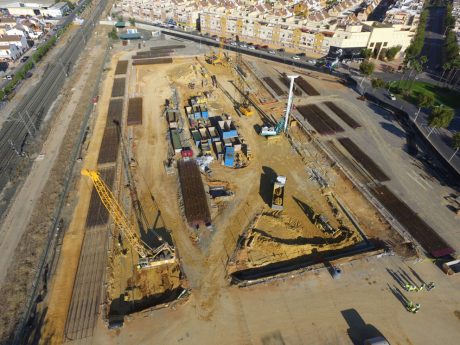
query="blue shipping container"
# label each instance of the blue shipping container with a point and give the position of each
(229, 156)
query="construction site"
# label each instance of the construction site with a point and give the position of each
(202, 167)
(206, 147)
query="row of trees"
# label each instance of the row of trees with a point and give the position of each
(35, 58)
(450, 52)
(415, 48)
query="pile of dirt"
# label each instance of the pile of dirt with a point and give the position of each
(276, 237)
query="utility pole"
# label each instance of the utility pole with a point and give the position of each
(290, 99)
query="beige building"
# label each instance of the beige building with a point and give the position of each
(301, 37)
(309, 26)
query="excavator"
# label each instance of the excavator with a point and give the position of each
(148, 257)
(216, 59)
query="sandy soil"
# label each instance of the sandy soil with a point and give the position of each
(62, 284)
(204, 264)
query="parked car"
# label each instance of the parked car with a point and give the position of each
(243, 45)
(252, 48)
(234, 44)
(281, 50)
(24, 58)
(313, 62)
(392, 97)
(272, 52)
(8, 77)
(296, 57)
(264, 47)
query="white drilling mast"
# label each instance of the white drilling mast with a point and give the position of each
(290, 98)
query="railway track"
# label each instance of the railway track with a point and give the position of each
(23, 124)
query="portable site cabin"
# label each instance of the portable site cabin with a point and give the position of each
(219, 149)
(229, 156)
(196, 136)
(175, 140)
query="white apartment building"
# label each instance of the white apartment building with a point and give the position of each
(18, 41)
(10, 52)
(300, 25)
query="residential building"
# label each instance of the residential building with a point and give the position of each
(310, 25)
(18, 41)
(28, 8)
(57, 10)
(10, 52)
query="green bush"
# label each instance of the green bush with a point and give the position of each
(378, 83)
(391, 52)
(367, 68)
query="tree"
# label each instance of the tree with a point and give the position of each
(391, 52)
(424, 101)
(120, 18)
(113, 34)
(367, 68)
(366, 53)
(132, 21)
(440, 117)
(455, 144)
(378, 83)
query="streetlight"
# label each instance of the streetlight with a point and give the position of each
(389, 84)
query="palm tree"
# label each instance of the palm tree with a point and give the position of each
(440, 117)
(424, 101)
(445, 67)
(455, 144)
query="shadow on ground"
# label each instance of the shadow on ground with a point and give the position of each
(358, 330)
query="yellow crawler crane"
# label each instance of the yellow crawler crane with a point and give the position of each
(149, 257)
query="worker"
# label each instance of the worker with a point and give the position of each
(430, 286)
(410, 287)
(413, 307)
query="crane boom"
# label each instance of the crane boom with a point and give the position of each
(119, 217)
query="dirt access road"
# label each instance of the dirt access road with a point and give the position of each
(310, 309)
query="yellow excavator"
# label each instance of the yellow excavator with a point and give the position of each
(216, 59)
(148, 257)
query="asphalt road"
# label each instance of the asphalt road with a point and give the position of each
(24, 122)
(434, 38)
(440, 137)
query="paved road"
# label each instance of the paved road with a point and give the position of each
(24, 122)
(434, 38)
(440, 138)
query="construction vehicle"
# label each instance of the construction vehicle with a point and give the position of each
(281, 126)
(278, 193)
(149, 257)
(243, 105)
(216, 59)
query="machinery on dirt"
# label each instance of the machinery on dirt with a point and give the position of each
(278, 193)
(148, 257)
(281, 126)
(216, 58)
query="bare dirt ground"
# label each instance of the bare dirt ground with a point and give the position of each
(140, 288)
(204, 264)
(303, 310)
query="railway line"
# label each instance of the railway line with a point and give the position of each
(24, 122)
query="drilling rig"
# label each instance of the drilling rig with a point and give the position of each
(148, 257)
